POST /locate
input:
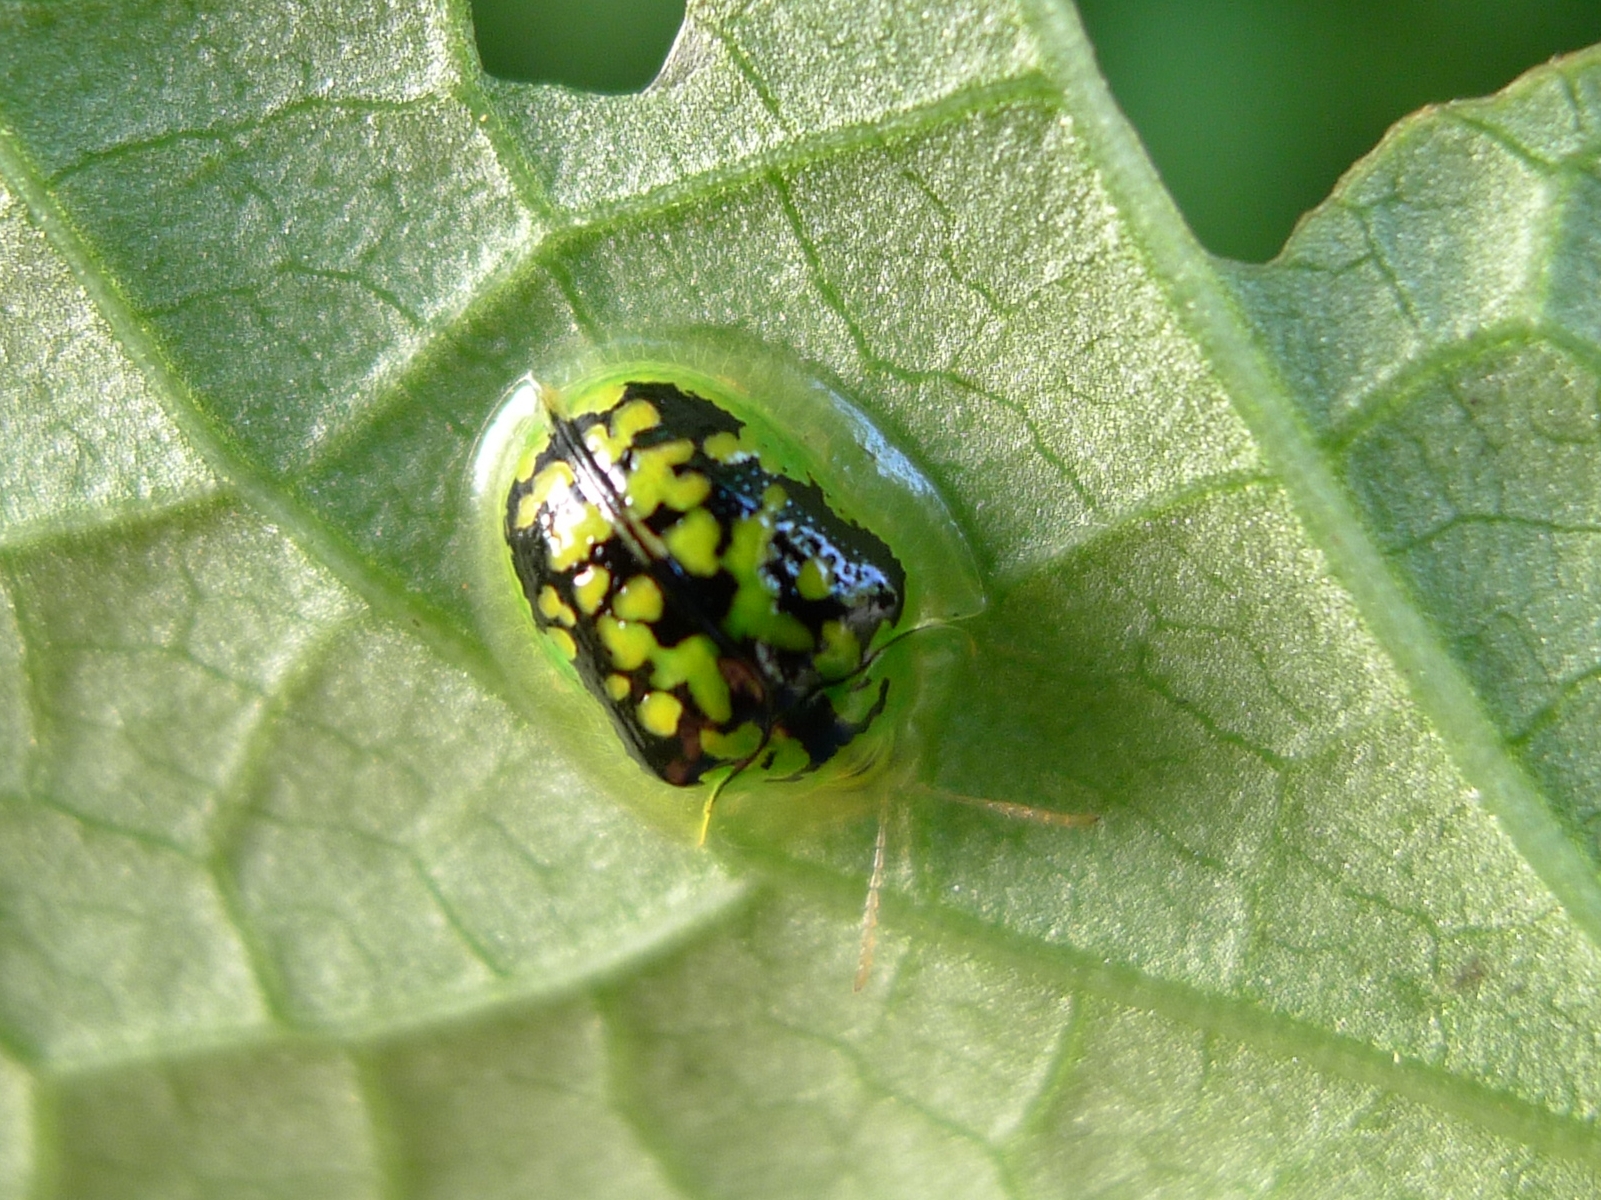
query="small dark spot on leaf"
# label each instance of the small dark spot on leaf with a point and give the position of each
(1472, 974)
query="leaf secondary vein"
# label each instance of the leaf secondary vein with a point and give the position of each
(1265, 1030)
(559, 232)
(254, 485)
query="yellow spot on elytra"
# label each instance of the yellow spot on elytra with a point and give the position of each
(576, 530)
(639, 600)
(653, 482)
(590, 587)
(596, 400)
(618, 687)
(841, 653)
(659, 713)
(564, 642)
(691, 488)
(754, 611)
(558, 476)
(741, 743)
(693, 542)
(775, 497)
(525, 464)
(815, 580)
(671, 454)
(553, 483)
(725, 447)
(602, 445)
(694, 661)
(629, 643)
(626, 424)
(552, 608)
(633, 418)
(789, 756)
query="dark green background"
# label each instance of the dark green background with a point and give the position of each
(1250, 108)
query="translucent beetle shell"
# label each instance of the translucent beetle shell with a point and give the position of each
(721, 550)
(722, 611)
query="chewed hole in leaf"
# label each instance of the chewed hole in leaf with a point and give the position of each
(612, 46)
(1253, 111)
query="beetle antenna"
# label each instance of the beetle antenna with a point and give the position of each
(921, 627)
(717, 788)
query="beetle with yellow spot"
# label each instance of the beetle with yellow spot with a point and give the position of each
(710, 578)
(724, 612)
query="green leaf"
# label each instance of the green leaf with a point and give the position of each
(1290, 573)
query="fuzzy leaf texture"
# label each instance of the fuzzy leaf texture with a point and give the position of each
(1292, 575)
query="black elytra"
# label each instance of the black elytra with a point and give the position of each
(723, 611)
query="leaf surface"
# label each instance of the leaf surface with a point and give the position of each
(1290, 579)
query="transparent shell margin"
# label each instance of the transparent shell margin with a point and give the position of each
(801, 427)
